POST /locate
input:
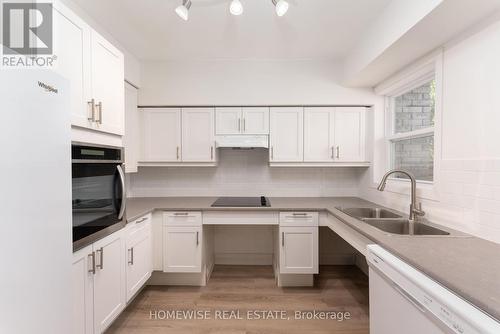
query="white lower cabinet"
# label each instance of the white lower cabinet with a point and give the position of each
(139, 254)
(298, 238)
(83, 291)
(109, 273)
(182, 242)
(109, 280)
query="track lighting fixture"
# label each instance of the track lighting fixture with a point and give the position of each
(236, 8)
(183, 10)
(281, 7)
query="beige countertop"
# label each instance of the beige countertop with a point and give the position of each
(466, 265)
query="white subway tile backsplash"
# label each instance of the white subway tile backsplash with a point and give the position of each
(468, 200)
(244, 173)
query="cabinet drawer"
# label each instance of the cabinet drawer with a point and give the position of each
(139, 228)
(299, 218)
(182, 218)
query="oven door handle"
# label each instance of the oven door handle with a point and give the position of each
(124, 192)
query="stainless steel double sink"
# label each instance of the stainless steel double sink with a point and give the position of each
(391, 222)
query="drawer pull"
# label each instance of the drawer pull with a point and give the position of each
(181, 214)
(299, 214)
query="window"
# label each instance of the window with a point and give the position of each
(411, 139)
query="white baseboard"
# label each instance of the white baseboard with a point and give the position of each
(247, 259)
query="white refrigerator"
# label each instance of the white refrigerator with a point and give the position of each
(35, 201)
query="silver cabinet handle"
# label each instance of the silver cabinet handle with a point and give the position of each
(332, 152)
(124, 192)
(177, 152)
(239, 124)
(197, 238)
(101, 258)
(211, 153)
(338, 152)
(92, 257)
(91, 103)
(244, 124)
(99, 112)
(181, 213)
(299, 214)
(272, 152)
(131, 261)
(282, 239)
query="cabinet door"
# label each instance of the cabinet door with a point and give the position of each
(107, 85)
(198, 135)
(349, 129)
(318, 134)
(109, 280)
(182, 247)
(255, 121)
(228, 121)
(161, 134)
(71, 46)
(83, 295)
(298, 250)
(139, 255)
(287, 134)
(132, 137)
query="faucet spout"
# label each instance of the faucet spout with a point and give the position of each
(414, 208)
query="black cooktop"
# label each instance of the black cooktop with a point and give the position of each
(242, 202)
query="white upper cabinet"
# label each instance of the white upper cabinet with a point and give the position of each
(349, 129)
(246, 120)
(255, 120)
(334, 134)
(132, 137)
(318, 134)
(107, 85)
(228, 121)
(95, 70)
(287, 134)
(71, 46)
(161, 134)
(198, 135)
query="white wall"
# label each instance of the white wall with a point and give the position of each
(243, 82)
(244, 173)
(466, 194)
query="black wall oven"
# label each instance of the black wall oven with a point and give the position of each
(98, 193)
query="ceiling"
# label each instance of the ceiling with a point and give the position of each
(312, 29)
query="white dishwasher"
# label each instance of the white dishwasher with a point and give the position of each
(405, 301)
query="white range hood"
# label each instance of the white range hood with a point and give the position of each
(242, 141)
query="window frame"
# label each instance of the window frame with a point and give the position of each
(402, 81)
(391, 136)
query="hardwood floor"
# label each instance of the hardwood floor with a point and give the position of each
(249, 288)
